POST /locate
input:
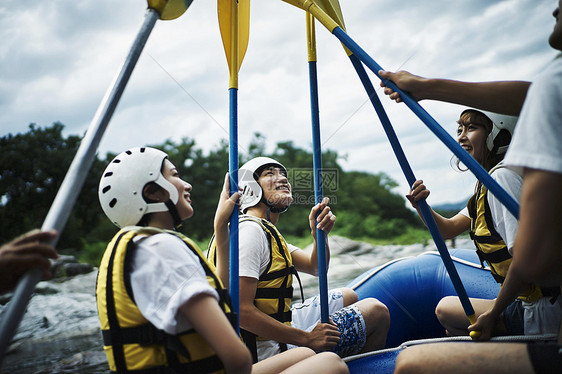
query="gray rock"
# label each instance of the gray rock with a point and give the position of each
(68, 266)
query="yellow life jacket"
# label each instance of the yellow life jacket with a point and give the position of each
(490, 247)
(275, 286)
(132, 344)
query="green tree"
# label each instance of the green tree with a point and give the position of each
(206, 175)
(34, 165)
(376, 210)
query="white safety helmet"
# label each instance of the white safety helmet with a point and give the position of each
(252, 192)
(121, 186)
(501, 125)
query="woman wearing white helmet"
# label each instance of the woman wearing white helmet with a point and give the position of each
(161, 305)
(267, 265)
(486, 137)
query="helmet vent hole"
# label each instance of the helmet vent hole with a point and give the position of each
(129, 152)
(142, 150)
(112, 202)
(106, 188)
(116, 161)
(108, 174)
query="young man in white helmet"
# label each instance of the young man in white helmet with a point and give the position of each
(161, 305)
(267, 265)
(537, 254)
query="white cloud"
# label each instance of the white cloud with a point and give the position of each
(58, 58)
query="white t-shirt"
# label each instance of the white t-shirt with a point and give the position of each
(537, 144)
(165, 275)
(537, 141)
(254, 249)
(504, 222)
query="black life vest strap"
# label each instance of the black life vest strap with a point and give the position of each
(145, 334)
(485, 239)
(273, 293)
(213, 260)
(296, 274)
(250, 339)
(498, 278)
(552, 292)
(278, 274)
(494, 257)
(282, 316)
(207, 365)
(114, 329)
(154, 370)
(275, 274)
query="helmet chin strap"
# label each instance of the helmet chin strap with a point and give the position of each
(279, 210)
(174, 213)
(272, 209)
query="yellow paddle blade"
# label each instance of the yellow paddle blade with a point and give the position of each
(225, 25)
(328, 12)
(169, 9)
(310, 37)
(332, 8)
(316, 11)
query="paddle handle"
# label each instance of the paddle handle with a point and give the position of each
(74, 180)
(474, 334)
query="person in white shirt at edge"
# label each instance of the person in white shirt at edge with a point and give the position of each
(537, 253)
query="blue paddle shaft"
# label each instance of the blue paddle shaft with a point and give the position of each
(234, 283)
(507, 200)
(318, 193)
(409, 174)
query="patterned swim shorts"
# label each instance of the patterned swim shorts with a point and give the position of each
(351, 326)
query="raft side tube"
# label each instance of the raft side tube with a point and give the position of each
(411, 287)
(384, 361)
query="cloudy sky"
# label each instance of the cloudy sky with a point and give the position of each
(57, 59)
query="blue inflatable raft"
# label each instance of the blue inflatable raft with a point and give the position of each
(411, 287)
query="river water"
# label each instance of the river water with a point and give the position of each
(60, 330)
